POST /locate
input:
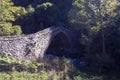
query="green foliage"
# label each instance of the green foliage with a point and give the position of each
(94, 18)
(26, 70)
(30, 9)
(6, 29)
(45, 5)
(16, 30)
(30, 72)
(89, 13)
(8, 14)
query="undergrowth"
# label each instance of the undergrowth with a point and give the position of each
(48, 69)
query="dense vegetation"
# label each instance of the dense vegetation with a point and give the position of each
(51, 69)
(97, 20)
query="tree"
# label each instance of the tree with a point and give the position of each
(8, 14)
(104, 11)
(93, 16)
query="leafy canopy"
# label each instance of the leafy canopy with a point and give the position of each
(8, 14)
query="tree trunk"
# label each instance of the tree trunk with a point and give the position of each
(103, 42)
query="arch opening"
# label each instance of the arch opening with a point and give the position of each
(59, 45)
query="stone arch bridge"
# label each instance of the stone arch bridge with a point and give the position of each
(35, 45)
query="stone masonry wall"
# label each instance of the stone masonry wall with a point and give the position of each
(33, 45)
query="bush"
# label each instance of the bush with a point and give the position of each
(6, 29)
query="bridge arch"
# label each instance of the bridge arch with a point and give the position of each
(58, 44)
(37, 44)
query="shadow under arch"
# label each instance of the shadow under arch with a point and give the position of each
(59, 45)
